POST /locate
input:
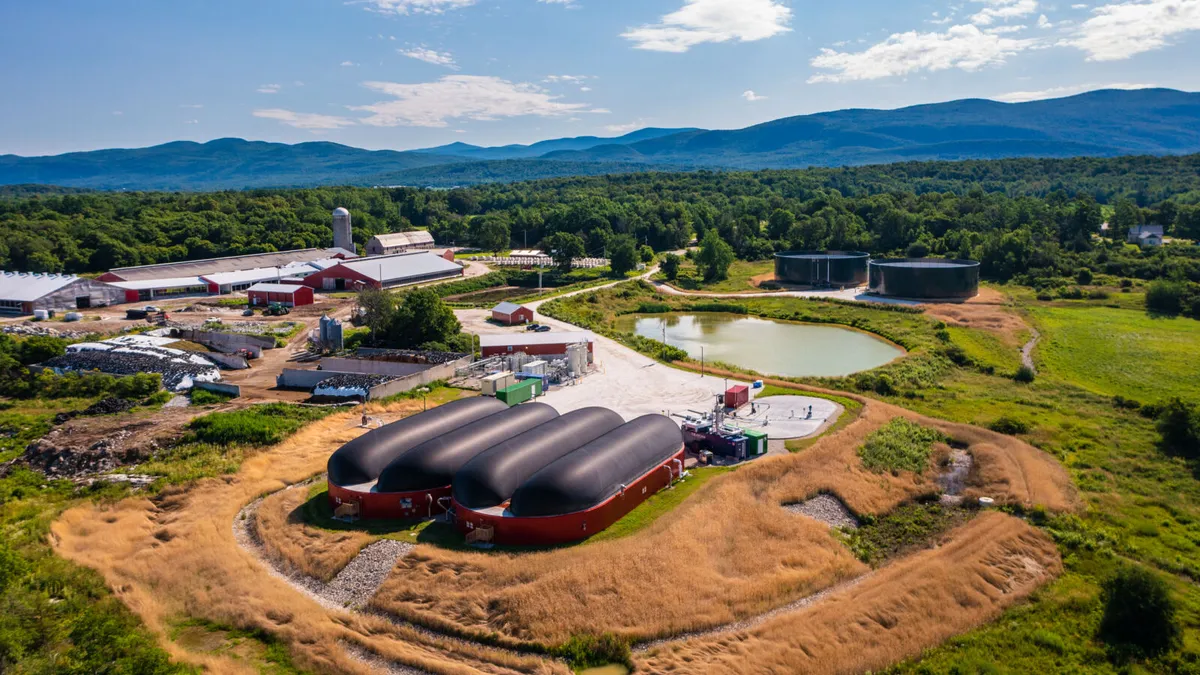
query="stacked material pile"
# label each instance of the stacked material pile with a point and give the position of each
(350, 385)
(133, 354)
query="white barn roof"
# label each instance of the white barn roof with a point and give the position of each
(506, 308)
(175, 270)
(274, 288)
(388, 269)
(156, 284)
(27, 287)
(399, 239)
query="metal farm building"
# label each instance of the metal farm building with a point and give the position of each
(822, 268)
(553, 343)
(519, 476)
(925, 278)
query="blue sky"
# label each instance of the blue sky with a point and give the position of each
(400, 74)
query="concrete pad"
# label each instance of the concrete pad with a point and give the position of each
(625, 381)
(787, 416)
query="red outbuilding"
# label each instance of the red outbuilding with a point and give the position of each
(552, 343)
(289, 295)
(512, 314)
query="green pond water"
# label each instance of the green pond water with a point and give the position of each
(765, 346)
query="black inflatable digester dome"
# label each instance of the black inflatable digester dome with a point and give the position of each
(432, 464)
(596, 471)
(491, 477)
(364, 458)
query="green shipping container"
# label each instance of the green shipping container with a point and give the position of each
(756, 442)
(520, 392)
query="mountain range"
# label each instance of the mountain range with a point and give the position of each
(1101, 123)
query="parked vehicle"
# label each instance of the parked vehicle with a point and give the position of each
(276, 309)
(532, 326)
(542, 329)
(248, 312)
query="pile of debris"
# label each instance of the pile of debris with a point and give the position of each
(409, 356)
(179, 369)
(105, 406)
(349, 385)
(28, 329)
(60, 455)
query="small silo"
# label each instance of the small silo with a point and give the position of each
(343, 234)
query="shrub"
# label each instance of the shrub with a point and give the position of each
(1025, 375)
(1083, 277)
(1179, 427)
(1009, 425)
(670, 266)
(653, 308)
(1139, 612)
(205, 397)
(1125, 403)
(1164, 297)
(900, 445)
(591, 651)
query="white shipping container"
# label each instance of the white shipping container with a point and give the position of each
(490, 384)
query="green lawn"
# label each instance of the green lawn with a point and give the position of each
(737, 281)
(987, 349)
(1116, 351)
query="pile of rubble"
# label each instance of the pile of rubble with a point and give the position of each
(59, 455)
(409, 356)
(105, 406)
(178, 372)
(349, 385)
(28, 329)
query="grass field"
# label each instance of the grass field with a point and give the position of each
(1120, 352)
(738, 280)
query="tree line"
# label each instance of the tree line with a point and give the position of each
(1022, 219)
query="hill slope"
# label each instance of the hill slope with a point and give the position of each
(1098, 124)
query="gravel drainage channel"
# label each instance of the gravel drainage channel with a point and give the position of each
(827, 509)
(377, 663)
(351, 589)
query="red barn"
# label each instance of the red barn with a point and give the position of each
(385, 271)
(511, 314)
(290, 295)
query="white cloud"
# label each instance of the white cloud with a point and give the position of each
(1056, 92)
(564, 3)
(1003, 10)
(348, 64)
(269, 88)
(701, 21)
(309, 121)
(573, 79)
(192, 106)
(964, 47)
(749, 95)
(415, 6)
(623, 128)
(1044, 22)
(1120, 30)
(1004, 30)
(191, 121)
(1079, 6)
(430, 56)
(475, 97)
(585, 89)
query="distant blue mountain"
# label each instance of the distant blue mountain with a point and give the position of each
(1099, 123)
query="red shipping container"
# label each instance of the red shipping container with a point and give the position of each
(737, 396)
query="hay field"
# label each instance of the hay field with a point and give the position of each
(980, 569)
(312, 551)
(176, 557)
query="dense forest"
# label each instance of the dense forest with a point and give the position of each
(1027, 219)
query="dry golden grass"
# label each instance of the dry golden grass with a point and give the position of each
(315, 552)
(987, 311)
(982, 568)
(176, 557)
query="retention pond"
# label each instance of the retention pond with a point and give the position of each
(765, 346)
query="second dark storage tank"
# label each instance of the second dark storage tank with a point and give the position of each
(822, 268)
(591, 474)
(925, 278)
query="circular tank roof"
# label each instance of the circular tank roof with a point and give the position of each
(926, 263)
(822, 255)
(339, 211)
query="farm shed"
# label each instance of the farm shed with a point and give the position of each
(21, 293)
(290, 295)
(511, 314)
(553, 343)
(384, 272)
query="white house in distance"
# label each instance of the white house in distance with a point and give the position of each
(1146, 235)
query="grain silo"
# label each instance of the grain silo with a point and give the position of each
(343, 233)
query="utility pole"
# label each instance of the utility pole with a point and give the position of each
(701, 360)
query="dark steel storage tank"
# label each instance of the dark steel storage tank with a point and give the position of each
(822, 268)
(596, 471)
(491, 477)
(364, 458)
(432, 464)
(925, 278)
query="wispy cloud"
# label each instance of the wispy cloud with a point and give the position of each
(118, 113)
(430, 56)
(1003, 10)
(1056, 92)
(269, 88)
(749, 95)
(623, 128)
(191, 106)
(348, 64)
(474, 97)
(702, 21)
(414, 6)
(191, 121)
(1120, 30)
(300, 120)
(963, 47)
